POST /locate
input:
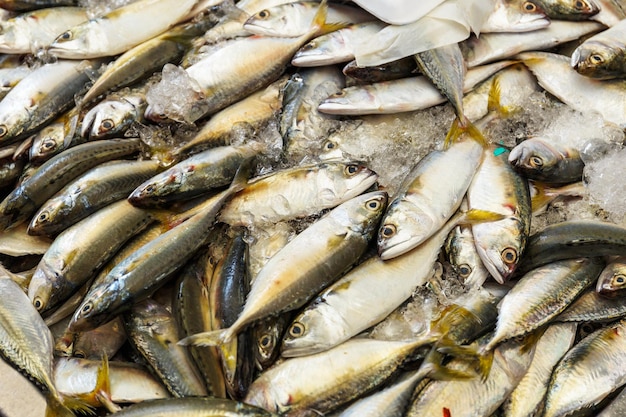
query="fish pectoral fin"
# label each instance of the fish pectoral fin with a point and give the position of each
(211, 338)
(476, 216)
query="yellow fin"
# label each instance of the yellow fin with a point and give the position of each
(210, 338)
(436, 370)
(475, 216)
(464, 127)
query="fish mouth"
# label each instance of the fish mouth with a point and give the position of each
(386, 251)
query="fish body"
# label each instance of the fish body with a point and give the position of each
(102, 185)
(593, 307)
(428, 198)
(588, 372)
(119, 30)
(500, 244)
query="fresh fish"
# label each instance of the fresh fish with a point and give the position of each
(395, 70)
(588, 372)
(295, 274)
(193, 407)
(191, 307)
(334, 316)
(407, 94)
(425, 202)
(540, 159)
(54, 138)
(293, 19)
(55, 173)
(515, 16)
(27, 345)
(148, 267)
(152, 331)
(334, 47)
(105, 340)
(569, 9)
(500, 244)
(552, 345)
(40, 97)
(97, 188)
(196, 175)
(296, 192)
(128, 382)
(593, 307)
(612, 280)
(255, 110)
(475, 397)
(326, 380)
(121, 29)
(577, 91)
(114, 115)
(490, 47)
(573, 239)
(79, 251)
(27, 32)
(538, 297)
(146, 58)
(602, 56)
(463, 256)
(267, 335)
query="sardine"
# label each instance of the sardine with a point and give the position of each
(97, 188)
(308, 263)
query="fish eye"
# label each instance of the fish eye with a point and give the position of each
(329, 145)
(580, 5)
(265, 341)
(263, 14)
(48, 144)
(388, 230)
(43, 217)
(87, 308)
(3, 131)
(38, 303)
(619, 279)
(80, 354)
(509, 255)
(296, 330)
(339, 94)
(536, 162)
(596, 59)
(106, 125)
(373, 204)
(529, 6)
(464, 270)
(66, 36)
(351, 170)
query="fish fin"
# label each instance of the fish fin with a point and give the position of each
(228, 353)
(476, 216)
(450, 316)
(464, 127)
(433, 362)
(319, 26)
(494, 102)
(210, 338)
(240, 181)
(57, 406)
(483, 357)
(102, 391)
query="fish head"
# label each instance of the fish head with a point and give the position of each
(612, 281)
(45, 221)
(47, 142)
(570, 9)
(108, 119)
(403, 229)
(157, 189)
(77, 42)
(597, 59)
(348, 102)
(528, 16)
(364, 218)
(45, 281)
(535, 158)
(274, 21)
(340, 182)
(500, 249)
(313, 331)
(12, 126)
(331, 150)
(99, 306)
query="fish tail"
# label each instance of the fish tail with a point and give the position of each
(436, 370)
(483, 357)
(211, 338)
(58, 406)
(461, 127)
(319, 26)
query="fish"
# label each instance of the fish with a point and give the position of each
(27, 345)
(297, 192)
(612, 280)
(413, 216)
(461, 250)
(569, 9)
(54, 138)
(544, 160)
(97, 188)
(79, 251)
(593, 307)
(292, 19)
(597, 362)
(105, 341)
(395, 70)
(193, 406)
(602, 56)
(55, 173)
(294, 275)
(27, 32)
(112, 116)
(151, 330)
(515, 16)
(28, 5)
(119, 30)
(500, 244)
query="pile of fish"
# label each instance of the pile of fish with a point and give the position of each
(313, 208)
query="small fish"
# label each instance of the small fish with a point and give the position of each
(462, 255)
(193, 407)
(544, 160)
(602, 56)
(569, 9)
(55, 137)
(515, 16)
(112, 116)
(612, 280)
(593, 307)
